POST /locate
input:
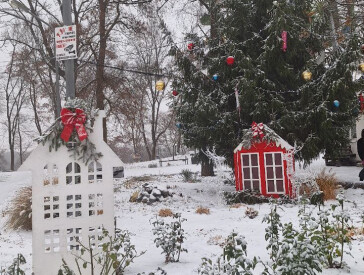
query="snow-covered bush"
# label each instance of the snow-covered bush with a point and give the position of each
(20, 210)
(14, 268)
(334, 226)
(115, 255)
(169, 237)
(188, 175)
(233, 261)
(159, 271)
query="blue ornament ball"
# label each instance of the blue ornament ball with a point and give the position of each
(215, 77)
(336, 103)
(179, 125)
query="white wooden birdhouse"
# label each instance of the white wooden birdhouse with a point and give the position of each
(72, 201)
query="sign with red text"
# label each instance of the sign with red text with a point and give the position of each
(66, 46)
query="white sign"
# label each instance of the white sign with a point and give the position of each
(66, 47)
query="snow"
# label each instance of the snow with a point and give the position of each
(203, 232)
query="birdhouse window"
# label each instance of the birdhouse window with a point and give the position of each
(94, 172)
(73, 239)
(95, 234)
(51, 241)
(74, 206)
(95, 204)
(50, 175)
(274, 172)
(51, 207)
(250, 171)
(73, 173)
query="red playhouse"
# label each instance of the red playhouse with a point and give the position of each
(264, 162)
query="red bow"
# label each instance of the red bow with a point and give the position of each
(71, 120)
(258, 129)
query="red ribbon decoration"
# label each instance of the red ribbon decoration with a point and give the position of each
(72, 120)
(361, 100)
(284, 38)
(258, 130)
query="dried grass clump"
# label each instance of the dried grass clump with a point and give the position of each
(328, 184)
(165, 213)
(20, 210)
(236, 205)
(203, 210)
(134, 196)
(216, 240)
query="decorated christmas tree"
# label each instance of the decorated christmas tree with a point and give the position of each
(276, 62)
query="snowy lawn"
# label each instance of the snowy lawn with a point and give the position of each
(204, 233)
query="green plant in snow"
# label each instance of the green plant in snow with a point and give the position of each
(334, 226)
(233, 261)
(111, 256)
(272, 231)
(169, 237)
(14, 268)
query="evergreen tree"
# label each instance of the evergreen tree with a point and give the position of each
(269, 79)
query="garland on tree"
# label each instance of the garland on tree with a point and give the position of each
(61, 132)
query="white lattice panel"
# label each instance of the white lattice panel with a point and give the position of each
(72, 201)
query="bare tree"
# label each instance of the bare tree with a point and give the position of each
(14, 100)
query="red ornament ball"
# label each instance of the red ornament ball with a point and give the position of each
(175, 93)
(190, 46)
(230, 60)
(362, 48)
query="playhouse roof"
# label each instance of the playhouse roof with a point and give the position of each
(269, 136)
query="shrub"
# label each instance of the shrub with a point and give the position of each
(152, 165)
(159, 271)
(327, 184)
(188, 175)
(169, 236)
(20, 210)
(202, 210)
(14, 268)
(165, 213)
(116, 254)
(248, 197)
(232, 261)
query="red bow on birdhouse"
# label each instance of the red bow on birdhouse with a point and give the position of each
(72, 120)
(258, 130)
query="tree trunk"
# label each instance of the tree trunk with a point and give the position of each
(100, 65)
(12, 158)
(207, 166)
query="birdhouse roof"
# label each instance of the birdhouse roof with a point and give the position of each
(269, 137)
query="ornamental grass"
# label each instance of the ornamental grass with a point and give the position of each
(328, 184)
(19, 211)
(165, 213)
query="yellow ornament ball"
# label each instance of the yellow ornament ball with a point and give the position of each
(307, 75)
(361, 67)
(160, 85)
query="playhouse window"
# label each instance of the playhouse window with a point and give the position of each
(74, 206)
(73, 173)
(250, 172)
(95, 235)
(50, 174)
(74, 238)
(95, 204)
(94, 172)
(51, 207)
(274, 172)
(51, 241)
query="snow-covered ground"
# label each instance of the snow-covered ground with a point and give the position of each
(203, 232)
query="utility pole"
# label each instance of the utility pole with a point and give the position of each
(69, 64)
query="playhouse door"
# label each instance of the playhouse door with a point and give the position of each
(250, 171)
